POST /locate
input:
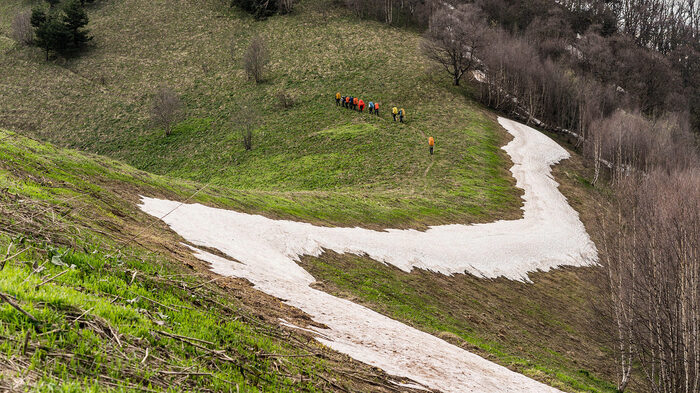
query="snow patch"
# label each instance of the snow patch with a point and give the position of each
(550, 234)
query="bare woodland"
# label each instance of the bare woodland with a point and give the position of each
(651, 256)
(623, 78)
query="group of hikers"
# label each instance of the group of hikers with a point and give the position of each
(358, 104)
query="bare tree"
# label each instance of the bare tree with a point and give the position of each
(456, 39)
(655, 257)
(247, 121)
(256, 58)
(22, 30)
(167, 108)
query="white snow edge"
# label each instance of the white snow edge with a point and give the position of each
(550, 234)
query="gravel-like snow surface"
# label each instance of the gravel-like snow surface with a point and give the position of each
(264, 251)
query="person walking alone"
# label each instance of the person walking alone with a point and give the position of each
(431, 144)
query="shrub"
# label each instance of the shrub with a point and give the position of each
(256, 59)
(167, 108)
(261, 9)
(248, 120)
(285, 99)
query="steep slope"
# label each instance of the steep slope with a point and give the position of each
(97, 297)
(313, 162)
(265, 252)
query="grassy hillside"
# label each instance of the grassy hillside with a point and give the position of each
(108, 301)
(549, 330)
(313, 161)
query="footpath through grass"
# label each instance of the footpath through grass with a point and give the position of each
(313, 161)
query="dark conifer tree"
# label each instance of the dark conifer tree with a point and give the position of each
(75, 18)
(52, 34)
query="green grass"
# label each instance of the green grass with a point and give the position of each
(90, 288)
(124, 275)
(543, 330)
(55, 217)
(314, 161)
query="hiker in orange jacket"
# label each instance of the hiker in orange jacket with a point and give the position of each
(347, 101)
(376, 108)
(431, 144)
(354, 102)
(337, 99)
(361, 105)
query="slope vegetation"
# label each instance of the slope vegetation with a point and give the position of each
(97, 299)
(314, 161)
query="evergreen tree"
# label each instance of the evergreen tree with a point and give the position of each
(52, 35)
(75, 18)
(53, 3)
(38, 17)
(61, 30)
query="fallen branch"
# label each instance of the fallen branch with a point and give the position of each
(208, 282)
(26, 342)
(51, 279)
(184, 373)
(83, 314)
(179, 337)
(275, 355)
(38, 269)
(17, 307)
(159, 303)
(4, 261)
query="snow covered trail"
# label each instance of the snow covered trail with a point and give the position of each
(265, 252)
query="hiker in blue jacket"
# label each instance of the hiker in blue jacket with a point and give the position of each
(371, 107)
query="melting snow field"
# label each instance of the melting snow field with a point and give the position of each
(265, 252)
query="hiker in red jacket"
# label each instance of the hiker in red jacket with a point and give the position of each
(361, 105)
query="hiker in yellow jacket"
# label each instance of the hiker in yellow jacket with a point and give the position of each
(402, 113)
(394, 112)
(337, 99)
